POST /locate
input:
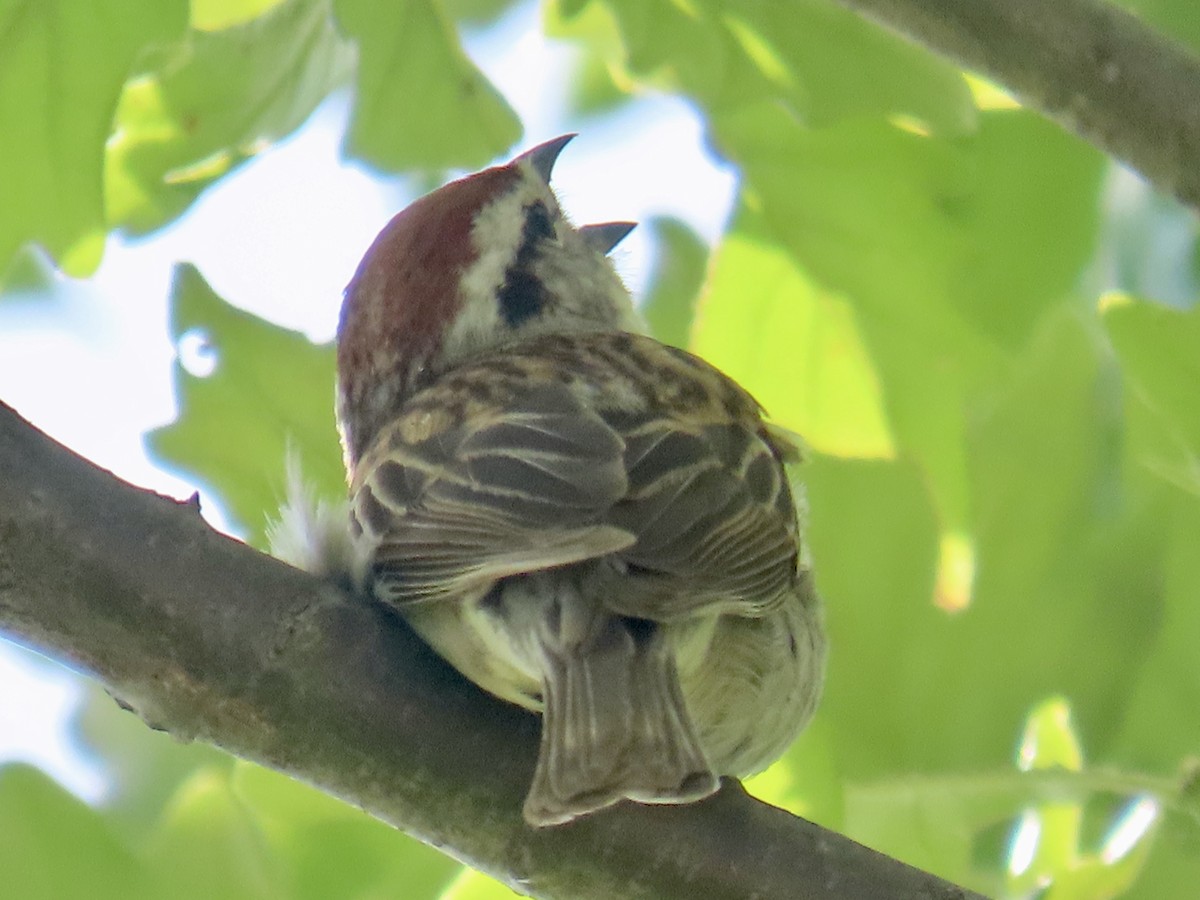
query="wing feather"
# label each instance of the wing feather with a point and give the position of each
(525, 489)
(709, 536)
(694, 517)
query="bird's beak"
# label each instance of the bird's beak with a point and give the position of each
(606, 235)
(543, 156)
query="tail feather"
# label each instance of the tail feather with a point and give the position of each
(615, 726)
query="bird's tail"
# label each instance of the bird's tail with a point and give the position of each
(615, 725)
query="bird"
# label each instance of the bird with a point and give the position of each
(583, 521)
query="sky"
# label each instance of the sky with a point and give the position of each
(280, 238)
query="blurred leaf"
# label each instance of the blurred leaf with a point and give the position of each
(938, 823)
(472, 885)
(596, 88)
(873, 540)
(213, 15)
(1050, 742)
(1171, 870)
(218, 99)
(599, 81)
(571, 8)
(897, 223)
(144, 767)
(477, 13)
(29, 273)
(680, 261)
(820, 61)
(207, 845)
(836, 65)
(869, 211)
(807, 780)
(335, 850)
(931, 822)
(1176, 17)
(271, 390)
(420, 102)
(1034, 187)
(797, 348)
(61, 71)
(1053, 575)
(1160, 354)
(1162, 727)
(53, 846)
(1064, 561)
(1095, 879)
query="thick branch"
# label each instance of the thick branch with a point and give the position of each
(212, 641)
(1096, 69)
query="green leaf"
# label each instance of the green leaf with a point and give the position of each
(1160, 355)
(819, 62)
(214, 15)
(334, 849)
(932, 822)
(1175, 17)
(941, 822)
(896, 222)
(599, 81)
(477, 12)
(473, 885)
(52, 845)
(797, 348)
(1064, 549)
(807, 780)
(144, 768)
(420, 102)
(208, 845)
(1095, 877)
(873, 538)
(911, 688)
(1172, 870)
(1050, 742)
(868, 211)
(29, 273)
(1031, 219)
(836, 65)
(595, 88)
(271, 391)
(1161, 727)
(62, 64)
(216, 100)
(675, 282)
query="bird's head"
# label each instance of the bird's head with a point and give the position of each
(480, 263)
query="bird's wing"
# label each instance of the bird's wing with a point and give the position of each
(714, 519)
(696, 516)
(523, 487)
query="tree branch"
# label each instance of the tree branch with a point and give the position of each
(210, 640)
(1094, 68)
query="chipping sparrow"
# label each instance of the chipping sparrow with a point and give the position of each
(583, 521)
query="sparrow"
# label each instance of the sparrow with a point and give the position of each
(581, 520)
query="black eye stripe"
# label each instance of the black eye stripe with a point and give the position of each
(522, 295)
(537, 226)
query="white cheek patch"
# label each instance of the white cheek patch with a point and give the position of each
(496, 234)
(476, 325)
(582, 289)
